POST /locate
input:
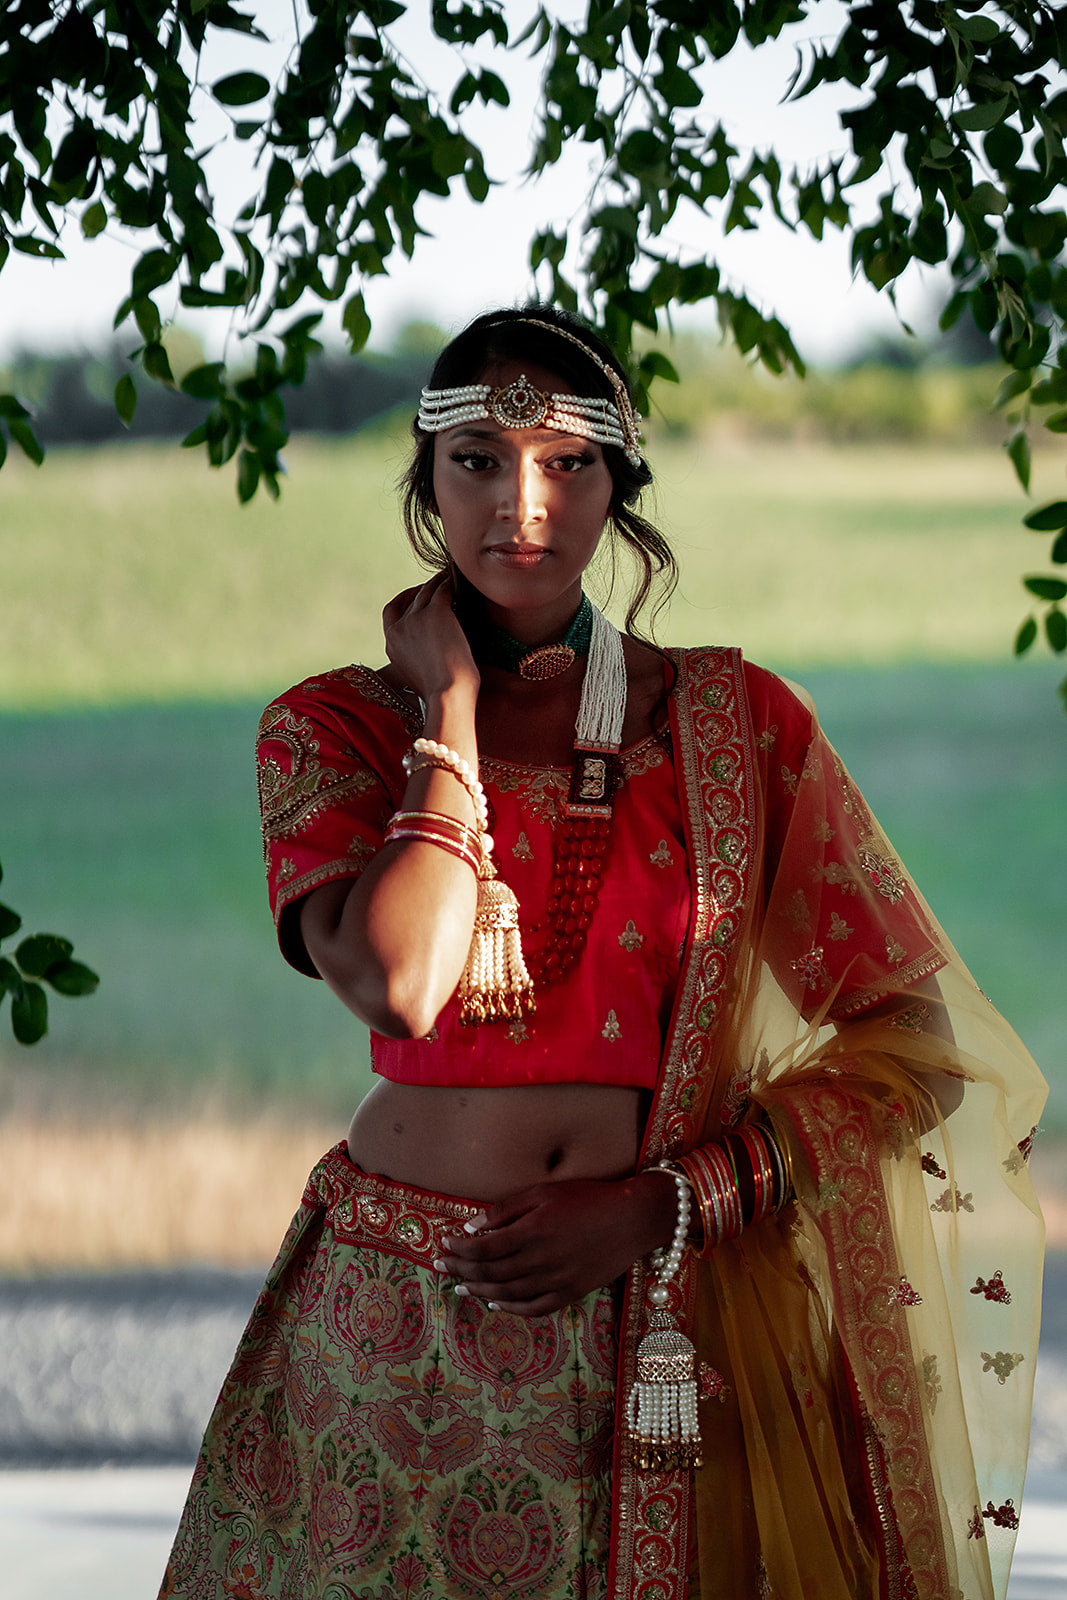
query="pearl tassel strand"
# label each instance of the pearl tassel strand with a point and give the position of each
(663, 1428)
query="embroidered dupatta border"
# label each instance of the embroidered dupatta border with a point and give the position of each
(853, 1217)
(714, 760)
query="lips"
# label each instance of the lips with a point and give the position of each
(518, 555)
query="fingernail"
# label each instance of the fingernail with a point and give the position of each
(439, 1265)
(476, 1223)
(461, 1289)
(491, 1305)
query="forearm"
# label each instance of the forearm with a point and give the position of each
(392, 945)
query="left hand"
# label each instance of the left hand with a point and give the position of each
(548, 1246)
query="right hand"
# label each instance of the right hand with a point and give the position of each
(424, 641)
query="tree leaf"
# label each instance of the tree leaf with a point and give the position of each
(1047, 519)
(1057, 423)
(126, 398)
(1015, 384)
(10, 922)
(205, 382)
(248, 470)
(36, 954)
(356, 323)
(72, 978)
(29, 1014)
(241, 88)
(1056, 629)
(26, 439)
(1018, 448)
(980, 118)
(1046, 588)
(1026, 636)
(94, 219)
(1058, 553)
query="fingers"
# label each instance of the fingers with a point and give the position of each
(416, 598)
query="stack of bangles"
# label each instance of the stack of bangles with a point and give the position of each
(738, 1182)
(435, 827)
(469, 844)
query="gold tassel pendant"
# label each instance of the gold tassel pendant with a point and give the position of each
(663, 1432)
(495, 984)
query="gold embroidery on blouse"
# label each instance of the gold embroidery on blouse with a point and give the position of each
(629, 938)
(516, 1031)
(611, 1029)
(894, 951)
(522, 849)
(839, 928)
(432, 1036)
(286, 868)
(661, 855)
(361, 848)
(288, 799)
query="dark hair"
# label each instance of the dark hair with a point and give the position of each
(528, 335)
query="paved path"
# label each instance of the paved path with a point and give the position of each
(105, 1384)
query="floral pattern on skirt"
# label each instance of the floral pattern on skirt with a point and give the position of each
(380, 1438)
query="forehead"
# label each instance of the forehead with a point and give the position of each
(501, 374)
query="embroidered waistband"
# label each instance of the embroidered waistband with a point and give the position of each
(366, 1209)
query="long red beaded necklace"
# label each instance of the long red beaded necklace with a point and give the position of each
(578, 863)
(584, 830)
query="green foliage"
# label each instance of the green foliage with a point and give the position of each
(954, 157)
(43, 958)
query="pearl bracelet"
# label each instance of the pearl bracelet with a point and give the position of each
(434, 754)
(668, 1263)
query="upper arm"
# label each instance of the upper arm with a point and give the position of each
(324, 805)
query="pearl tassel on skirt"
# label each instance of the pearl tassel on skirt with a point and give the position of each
(663, 1430)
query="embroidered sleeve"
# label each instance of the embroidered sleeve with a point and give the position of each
(850, 922)
(326, 764)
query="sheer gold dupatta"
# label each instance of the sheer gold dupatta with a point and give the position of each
(868, 1357)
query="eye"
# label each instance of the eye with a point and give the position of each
(573, 461)
(473, 460)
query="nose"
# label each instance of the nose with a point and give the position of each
(522, 494)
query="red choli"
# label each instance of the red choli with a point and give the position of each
(330, 777)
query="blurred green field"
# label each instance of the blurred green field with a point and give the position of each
(146, 617)
(133, 574)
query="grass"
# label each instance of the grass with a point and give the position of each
(133, 574)
(135, 1194)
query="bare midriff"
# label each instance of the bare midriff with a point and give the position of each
(486, 1144)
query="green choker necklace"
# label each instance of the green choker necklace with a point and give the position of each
(539, 662)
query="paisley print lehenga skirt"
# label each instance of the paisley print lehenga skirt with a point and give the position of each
(380, 1438)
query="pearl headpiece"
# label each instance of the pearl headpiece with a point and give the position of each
(523, 405)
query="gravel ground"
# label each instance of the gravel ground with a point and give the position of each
(123, 1369)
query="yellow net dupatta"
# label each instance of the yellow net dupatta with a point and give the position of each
(867, 1357)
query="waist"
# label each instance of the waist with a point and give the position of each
(490, 1143)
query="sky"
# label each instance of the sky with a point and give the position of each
(476, 257)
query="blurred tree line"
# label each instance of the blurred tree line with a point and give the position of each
(899, 389)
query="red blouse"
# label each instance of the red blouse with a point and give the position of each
(330, 776)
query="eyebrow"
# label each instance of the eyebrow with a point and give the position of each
(495, 434)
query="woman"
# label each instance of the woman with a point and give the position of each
(725, 1029)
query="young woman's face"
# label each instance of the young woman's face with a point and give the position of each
(522, 509)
